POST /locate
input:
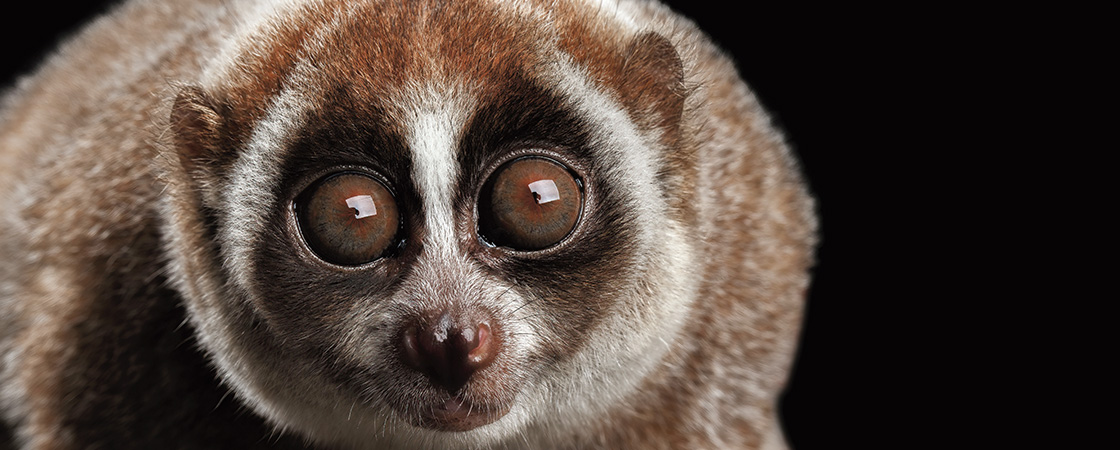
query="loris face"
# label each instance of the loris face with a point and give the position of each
(429, 218)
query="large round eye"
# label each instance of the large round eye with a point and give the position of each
(529, 204)
(348, 218)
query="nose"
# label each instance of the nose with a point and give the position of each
(448, 348)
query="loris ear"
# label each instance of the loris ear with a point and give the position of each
(655, 80)
(655, 86)
(196, 127)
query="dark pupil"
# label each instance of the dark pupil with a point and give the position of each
(348, 219)
(529, 204)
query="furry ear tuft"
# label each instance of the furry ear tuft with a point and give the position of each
(656, 75)
(654, 79)
(196, 125)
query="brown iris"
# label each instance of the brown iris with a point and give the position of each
(348, 218)
(530, 203)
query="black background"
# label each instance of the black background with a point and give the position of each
(855, 91)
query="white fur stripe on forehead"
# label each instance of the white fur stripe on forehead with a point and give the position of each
(434, 123)
(251, 196)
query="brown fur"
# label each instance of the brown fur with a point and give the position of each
(116, 154)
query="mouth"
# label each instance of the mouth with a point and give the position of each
(458, 414)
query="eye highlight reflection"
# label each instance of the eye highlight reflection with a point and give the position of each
(363, 205)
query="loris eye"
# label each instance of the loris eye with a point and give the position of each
(348, 218)
(530, 203)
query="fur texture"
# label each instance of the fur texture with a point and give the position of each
(156, 289)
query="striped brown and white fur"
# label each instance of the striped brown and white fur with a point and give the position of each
(154, 293)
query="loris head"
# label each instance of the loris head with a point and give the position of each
(394, 221)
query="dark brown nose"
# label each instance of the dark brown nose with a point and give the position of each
(448, 348)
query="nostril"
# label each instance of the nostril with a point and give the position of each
(482, 351)
(448, 350)
(410, 348)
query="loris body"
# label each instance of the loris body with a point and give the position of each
(368, 224)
